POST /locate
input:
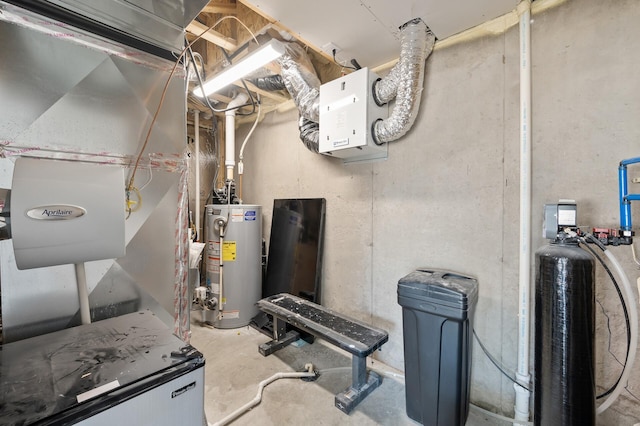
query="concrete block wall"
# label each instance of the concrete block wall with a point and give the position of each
(448, 195)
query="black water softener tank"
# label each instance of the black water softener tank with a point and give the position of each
(564, 340)
(437, 315)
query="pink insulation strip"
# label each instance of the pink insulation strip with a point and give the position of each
(181, 286)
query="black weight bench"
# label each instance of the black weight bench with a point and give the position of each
(355, 337)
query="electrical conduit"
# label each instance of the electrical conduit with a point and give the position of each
(522, 374)
(244, 144)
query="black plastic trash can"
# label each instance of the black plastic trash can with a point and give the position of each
(437, 316)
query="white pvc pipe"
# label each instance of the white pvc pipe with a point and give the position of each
(255, 401)
(629, 300)
(240, 99)
(196, 124)
(83, 294)
(401, 378)
(499, 417)
(522, 374)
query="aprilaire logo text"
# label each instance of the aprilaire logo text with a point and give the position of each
(56, 212)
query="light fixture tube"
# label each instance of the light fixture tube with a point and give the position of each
(258, 58)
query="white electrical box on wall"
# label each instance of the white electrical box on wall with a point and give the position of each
(347, 115)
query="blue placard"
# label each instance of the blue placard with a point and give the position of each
(250, 215)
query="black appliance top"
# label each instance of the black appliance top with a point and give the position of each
(81, 370)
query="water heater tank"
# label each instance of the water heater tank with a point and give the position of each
(233, 263)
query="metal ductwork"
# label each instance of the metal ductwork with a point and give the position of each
(53, 70)
(299, 78)
(309, 133)
(404, 82)
(155, 27)
(301, 81)
(309, 129)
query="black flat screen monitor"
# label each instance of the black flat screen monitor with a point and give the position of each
(294, 262)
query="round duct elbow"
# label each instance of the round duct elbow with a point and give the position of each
(385, 89)
(270, 83)
(417, 42)
(299, 78)
(301, 81)
(309, 134)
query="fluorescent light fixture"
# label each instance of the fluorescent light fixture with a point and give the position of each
(256, 59)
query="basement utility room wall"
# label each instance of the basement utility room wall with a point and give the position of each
(447, 196)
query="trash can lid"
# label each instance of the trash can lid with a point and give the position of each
(440, 286)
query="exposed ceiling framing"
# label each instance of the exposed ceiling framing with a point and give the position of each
(233, 37)
(365, 30)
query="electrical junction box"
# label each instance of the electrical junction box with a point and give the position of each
(347, 115)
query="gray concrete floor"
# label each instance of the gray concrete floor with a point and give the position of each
(234, 368)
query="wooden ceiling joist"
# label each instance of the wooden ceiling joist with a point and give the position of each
(226, 9)
(230, 36)
(271, 95)
(219, 39)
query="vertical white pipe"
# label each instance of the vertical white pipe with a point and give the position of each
(230, 143)
(196, 125)
(230, 132)
(83, 294)
(522, 373)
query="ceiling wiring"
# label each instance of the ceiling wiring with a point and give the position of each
(130, 185)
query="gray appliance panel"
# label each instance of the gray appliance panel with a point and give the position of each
(178, 402)
(42, 377)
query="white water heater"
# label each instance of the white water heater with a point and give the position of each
(233, 262)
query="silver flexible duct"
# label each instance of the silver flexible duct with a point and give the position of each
(309, 134)
(301, 81)
(299, 77)
(407, 78)
(404, 83)
(270, 83)
(385, 89)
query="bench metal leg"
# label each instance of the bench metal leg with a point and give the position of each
(362, 384)
(281, 338)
